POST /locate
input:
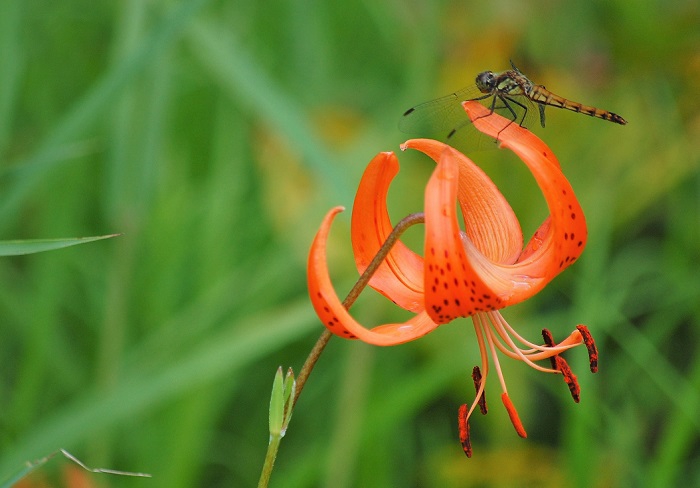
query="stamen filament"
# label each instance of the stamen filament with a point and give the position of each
(570, 342)
(479, 328)
(514, 352)
(494, 356)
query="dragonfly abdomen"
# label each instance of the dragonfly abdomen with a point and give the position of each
(541, 95)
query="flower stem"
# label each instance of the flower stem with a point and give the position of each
(405, 223)
(273, 446)
(270, 457)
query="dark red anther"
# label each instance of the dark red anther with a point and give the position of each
(549, 342)
(463, 425)
(476, 376)
(590, 345)
(569, 377)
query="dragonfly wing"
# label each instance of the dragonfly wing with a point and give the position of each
(440, 117)
(445, 119)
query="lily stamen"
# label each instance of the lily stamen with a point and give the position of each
(480, 390)
(560, 364)
(569, 378)
(590, 345)
(463, 424)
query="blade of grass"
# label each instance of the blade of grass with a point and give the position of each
(16, 248)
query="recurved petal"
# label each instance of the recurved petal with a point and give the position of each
(331, 311)
(456, 284)
(489, 220)
(561, 238)
(400, 276)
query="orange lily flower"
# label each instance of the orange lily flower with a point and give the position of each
(473, 272)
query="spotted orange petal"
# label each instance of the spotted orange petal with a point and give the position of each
(453, 287)
(400, 276)
(560, 240)
(489, 221)
(336, 318)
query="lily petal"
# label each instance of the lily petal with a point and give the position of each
(400, 276)
(336, 318)
(560, 240)
(453, 287)
(489, 220)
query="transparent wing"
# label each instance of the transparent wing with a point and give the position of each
(438, 117)
(444, 118)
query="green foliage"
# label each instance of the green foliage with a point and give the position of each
(16, 248)
(214, 135)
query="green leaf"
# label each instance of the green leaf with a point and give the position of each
(290, 386)
(277, 405)
(15, 248)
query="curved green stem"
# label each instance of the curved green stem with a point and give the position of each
(273, 446)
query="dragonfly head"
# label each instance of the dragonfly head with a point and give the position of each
(486, 81)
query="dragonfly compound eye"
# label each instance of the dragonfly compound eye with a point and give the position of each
(486, 81)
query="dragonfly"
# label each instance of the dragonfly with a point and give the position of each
(509, 93)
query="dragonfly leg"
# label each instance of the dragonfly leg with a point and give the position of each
(507, 99)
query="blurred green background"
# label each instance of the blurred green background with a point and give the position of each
(214, 135)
